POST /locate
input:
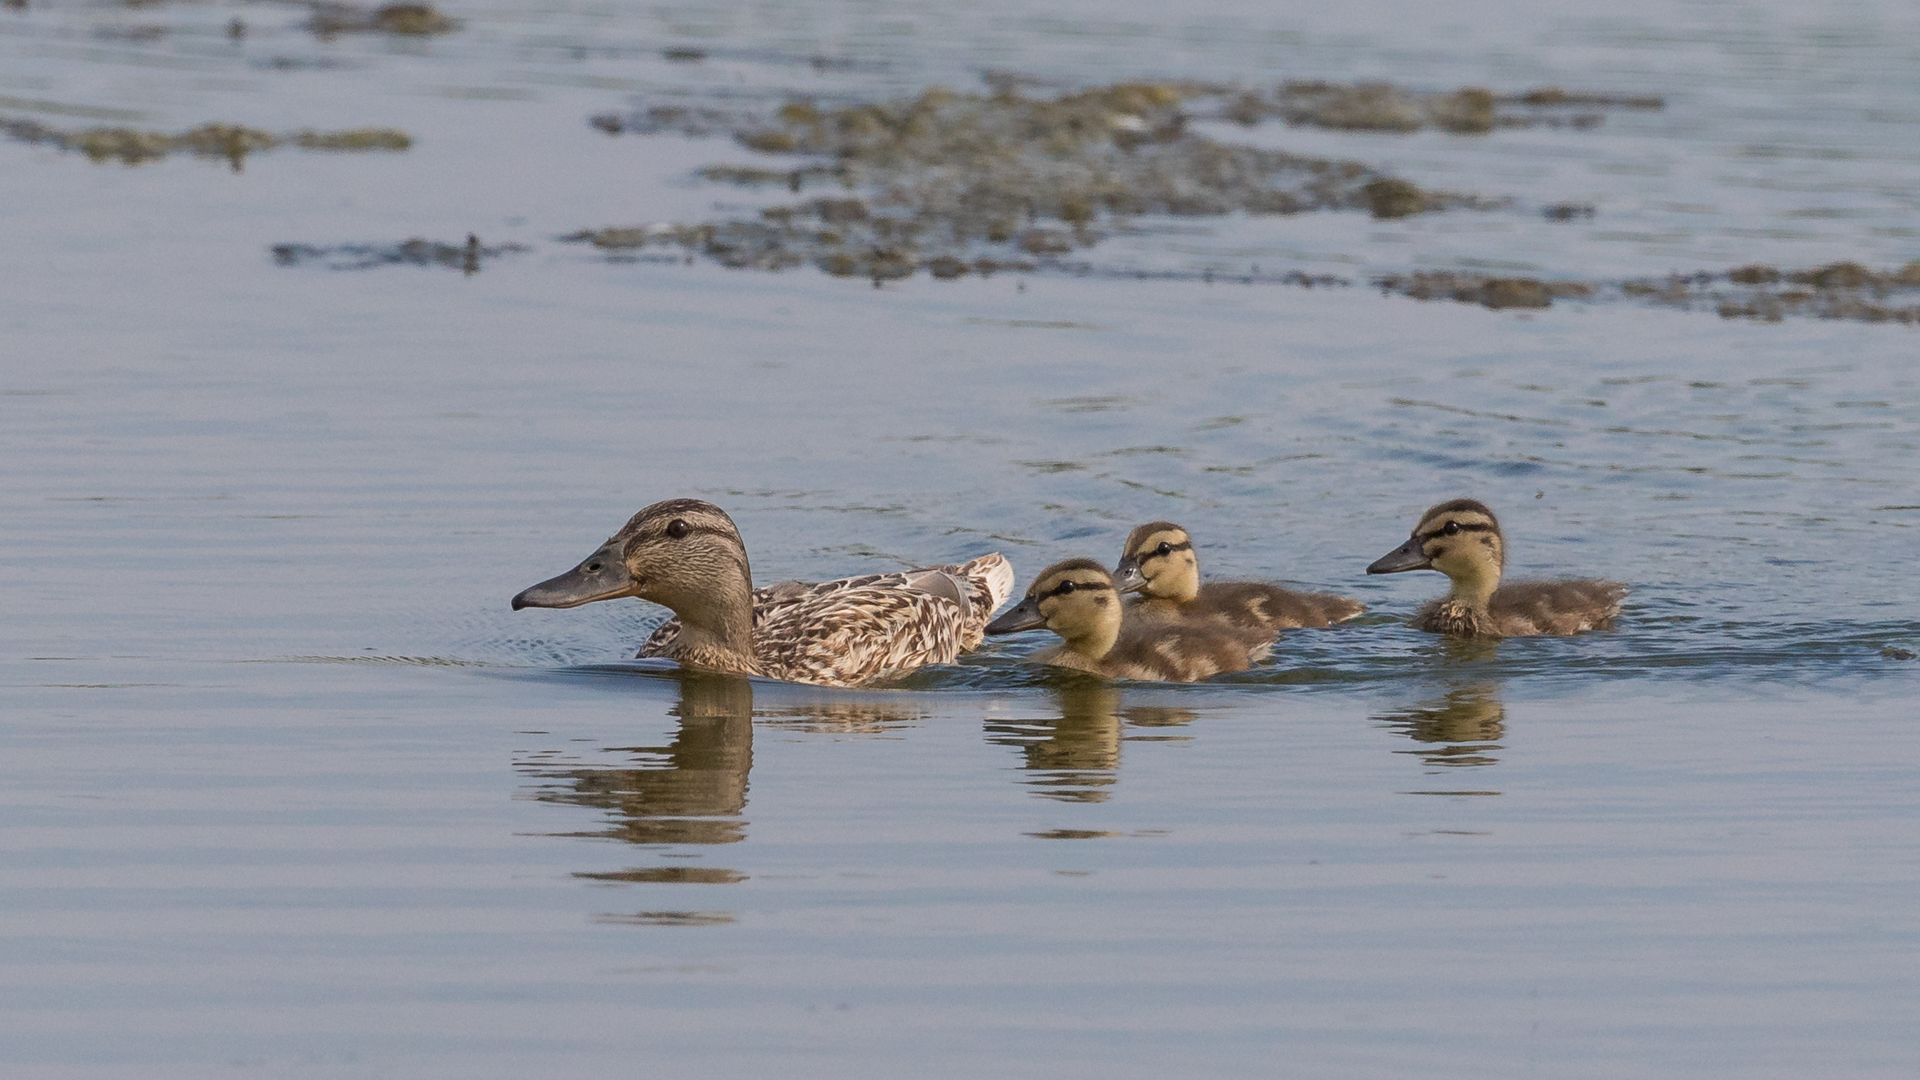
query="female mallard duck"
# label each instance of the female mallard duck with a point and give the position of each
(687, 555)
(1159, 561)
(1077, 600)
(1462, 540)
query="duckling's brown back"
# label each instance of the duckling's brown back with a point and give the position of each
(1183, 652)
(1269, 607)
(1555, 607)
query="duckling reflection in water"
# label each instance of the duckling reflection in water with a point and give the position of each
(1462, 540)
(1159, 562)
(1076, 599)
(1076, 755)
(1470, 720)
(687, 555)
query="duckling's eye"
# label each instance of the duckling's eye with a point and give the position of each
(678, 529)
(1452, 528)
(1164, 548)
(1065, 588)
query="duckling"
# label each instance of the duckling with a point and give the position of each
(1076, 599)
(1158, 560)
(1462, 540)
(687, 555)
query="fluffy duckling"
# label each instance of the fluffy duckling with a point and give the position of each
(1076, 599)
(1462, 540)
(687, 555)
(1159, 561)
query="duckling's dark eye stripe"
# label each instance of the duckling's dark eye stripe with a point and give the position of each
(1068, 587)
(1155, 553)
(1459, 527)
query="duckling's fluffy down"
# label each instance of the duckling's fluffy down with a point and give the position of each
(1524, 608)
(1257, 605)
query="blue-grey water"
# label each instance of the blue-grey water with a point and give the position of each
(290, 791)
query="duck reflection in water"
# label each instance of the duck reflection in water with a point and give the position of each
(1076, 755)
(1461, 728)
(690, 791)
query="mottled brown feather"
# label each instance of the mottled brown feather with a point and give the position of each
(989, 579)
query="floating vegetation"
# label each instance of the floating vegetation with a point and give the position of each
(1489, 292)
(1842, 290)
(353, 140)
(1471, 110)
(132, 146)
(407, 20)
(953, 183)
(466, 257)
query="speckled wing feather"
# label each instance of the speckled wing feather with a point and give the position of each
(989, 579)
(858, 634)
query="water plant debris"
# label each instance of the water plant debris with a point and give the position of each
(946, 180)
(402, 19)
(133, 146)
(1842, 290)
(1470, 110)
(467, 258)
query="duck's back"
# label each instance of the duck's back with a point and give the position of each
(857, 634)
(1183, 652)
(1531, 608)
(987, 582)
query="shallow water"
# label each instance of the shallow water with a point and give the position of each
(294, 792)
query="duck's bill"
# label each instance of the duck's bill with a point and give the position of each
(1127, 577)
(602, 576)
(1407, 556)
(1022, 616)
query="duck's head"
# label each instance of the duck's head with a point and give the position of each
(1075, 599)
(1462, 540)
(1158, 560)
(682, 553)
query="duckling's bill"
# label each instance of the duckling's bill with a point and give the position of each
(1127, 577)
(1024, 615)
(602, 575)
(1411, 555)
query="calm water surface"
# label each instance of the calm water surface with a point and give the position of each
(291, 792)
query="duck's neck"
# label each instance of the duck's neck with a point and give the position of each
(1473, 586)
(716, 630)
(1094, 642)
(1064, 656)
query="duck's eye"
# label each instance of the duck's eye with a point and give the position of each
(678, 529)
(1452, 528)
(1065, 588)
(1164, 548)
